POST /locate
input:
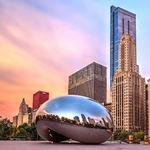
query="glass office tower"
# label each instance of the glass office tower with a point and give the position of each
(121, 22)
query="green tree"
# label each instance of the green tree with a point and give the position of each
(6, 129)
(21, 133)
(33, 132)
(26, 132)
(120, 135)
(139, 135)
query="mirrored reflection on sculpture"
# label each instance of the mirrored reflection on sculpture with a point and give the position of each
(74, 117)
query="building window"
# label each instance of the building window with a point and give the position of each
(128, 27)
(123, 26)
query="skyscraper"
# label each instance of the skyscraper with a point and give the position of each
(24, 115)
(39, 98)
(148, 107)
(91, 81)
(121, 22)
(128, 89)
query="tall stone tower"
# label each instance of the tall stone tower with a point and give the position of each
(128, 89)
(23, 109)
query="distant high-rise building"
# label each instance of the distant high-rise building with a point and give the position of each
(148, 106)
(27, 117)
(23, 109)
(91, 81)
(121, 22)
(128, 89)
(24, 115)
(39, 98)
(15, 120)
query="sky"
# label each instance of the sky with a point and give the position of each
(42, 42)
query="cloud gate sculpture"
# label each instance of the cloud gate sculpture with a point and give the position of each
(74, 117)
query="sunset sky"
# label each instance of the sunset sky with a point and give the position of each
(42, 42)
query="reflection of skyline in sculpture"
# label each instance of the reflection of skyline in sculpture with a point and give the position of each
(101, 124)
(83, 121)
(68, 110)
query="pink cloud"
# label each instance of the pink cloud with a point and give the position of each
(40, 53)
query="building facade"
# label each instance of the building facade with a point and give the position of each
(24, 115)
(15, 120)
(121, 22)
(128, 89)
(39, 98)
(23, 109)
(91, 81)
(148, 106)
(108, 106)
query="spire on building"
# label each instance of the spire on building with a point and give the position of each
(23, 107)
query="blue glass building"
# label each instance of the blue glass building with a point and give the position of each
(121, 22)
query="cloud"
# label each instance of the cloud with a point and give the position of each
(55, 36)
(8, 76)
(39, 51)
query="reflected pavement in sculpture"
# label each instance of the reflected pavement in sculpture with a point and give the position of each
(74, 117)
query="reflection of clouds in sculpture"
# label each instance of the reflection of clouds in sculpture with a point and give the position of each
(74, 117)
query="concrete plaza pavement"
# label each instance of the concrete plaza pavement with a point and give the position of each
(44, 145)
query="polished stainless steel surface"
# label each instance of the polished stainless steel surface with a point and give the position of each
(74, 117)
